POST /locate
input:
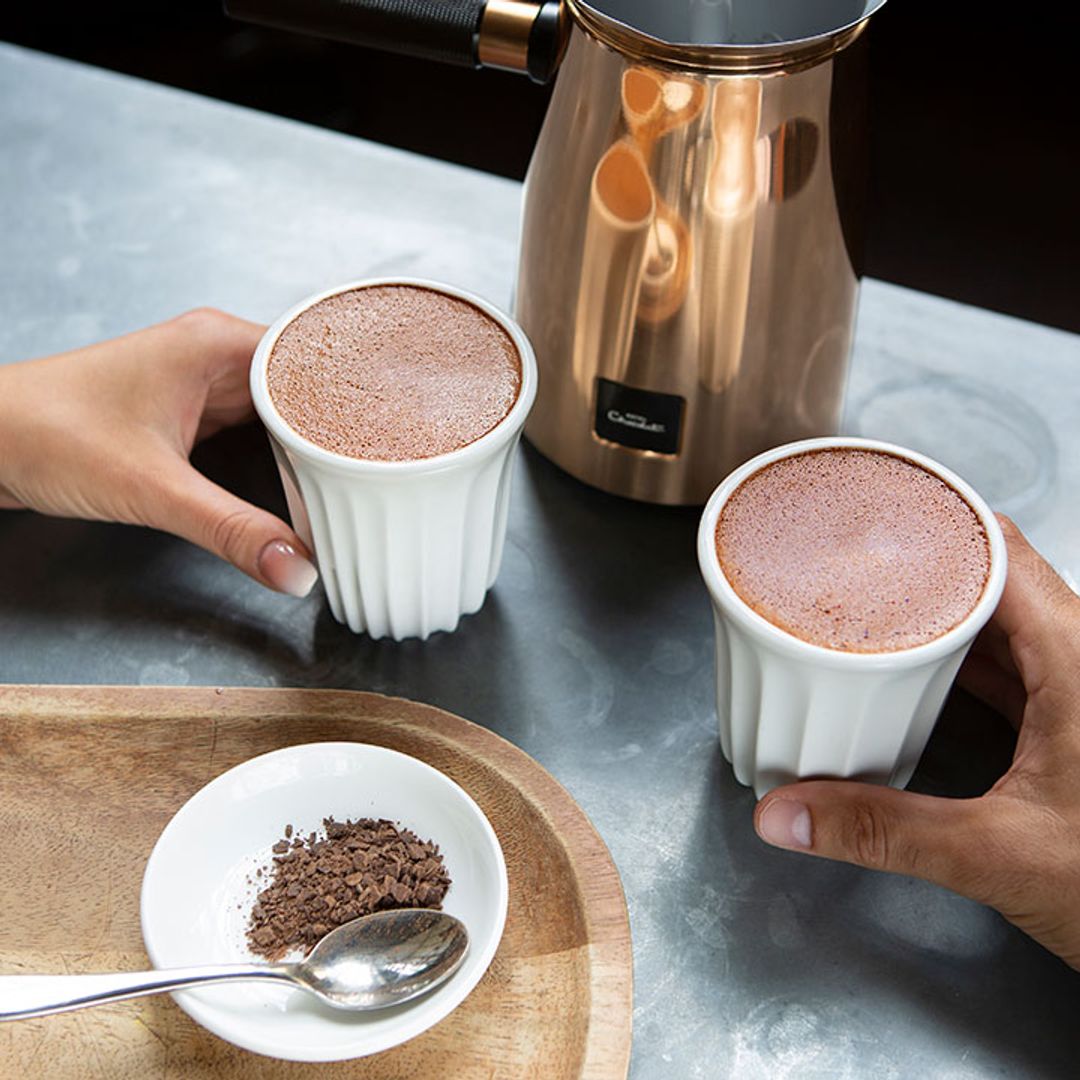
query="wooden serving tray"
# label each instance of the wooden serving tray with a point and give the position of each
(89, 776)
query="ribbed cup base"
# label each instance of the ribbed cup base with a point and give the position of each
(403, 556)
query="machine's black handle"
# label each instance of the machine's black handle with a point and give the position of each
(521, 35)
(445, 30)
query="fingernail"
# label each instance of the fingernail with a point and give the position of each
(785, 823)
(286, 569)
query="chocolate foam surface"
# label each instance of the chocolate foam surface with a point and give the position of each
(853, 550)
(393, 373)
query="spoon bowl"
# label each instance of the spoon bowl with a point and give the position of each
(383, 959)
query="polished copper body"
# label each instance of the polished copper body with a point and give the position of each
(683, 235)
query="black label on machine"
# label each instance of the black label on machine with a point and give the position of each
(642, 419)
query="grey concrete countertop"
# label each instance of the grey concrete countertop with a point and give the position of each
(123, 203)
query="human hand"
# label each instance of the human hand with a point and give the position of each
(1016, 848)
(104, 433)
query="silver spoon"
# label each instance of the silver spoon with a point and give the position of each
(369, 963)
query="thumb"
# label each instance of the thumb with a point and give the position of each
(880, 828)
(186, 503)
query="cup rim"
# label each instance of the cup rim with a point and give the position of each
(725, 597)
(319, 455)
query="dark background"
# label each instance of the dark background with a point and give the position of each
(973, 143)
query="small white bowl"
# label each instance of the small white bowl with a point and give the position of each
(200, 882)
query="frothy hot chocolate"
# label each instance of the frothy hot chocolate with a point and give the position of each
(393, 373)
(855, 550)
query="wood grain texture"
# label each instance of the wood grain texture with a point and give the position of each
(89, 776)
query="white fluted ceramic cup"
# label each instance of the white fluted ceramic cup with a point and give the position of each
(404, 548)
(791, 710)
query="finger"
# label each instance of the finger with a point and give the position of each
(999, 689)
(1038, 612)
(9, 501)
(880, 828)
(186, 503)
(219, 347)
(226, 342)
(228, 397)
(994, 645)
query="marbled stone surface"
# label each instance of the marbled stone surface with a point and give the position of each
(124, 203)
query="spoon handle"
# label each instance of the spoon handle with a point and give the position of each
(24, 996)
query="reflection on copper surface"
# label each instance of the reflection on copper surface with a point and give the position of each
(642, 102)
(727, 238)
(668, 260)
(792, 154)
(621, 186)
(683, 100)
(654, 105)
(622, 209)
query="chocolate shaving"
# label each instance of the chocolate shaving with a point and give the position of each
(319, 883)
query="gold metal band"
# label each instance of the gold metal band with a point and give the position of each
(504, 34)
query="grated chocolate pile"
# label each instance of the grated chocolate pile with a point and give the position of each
(319, 883)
